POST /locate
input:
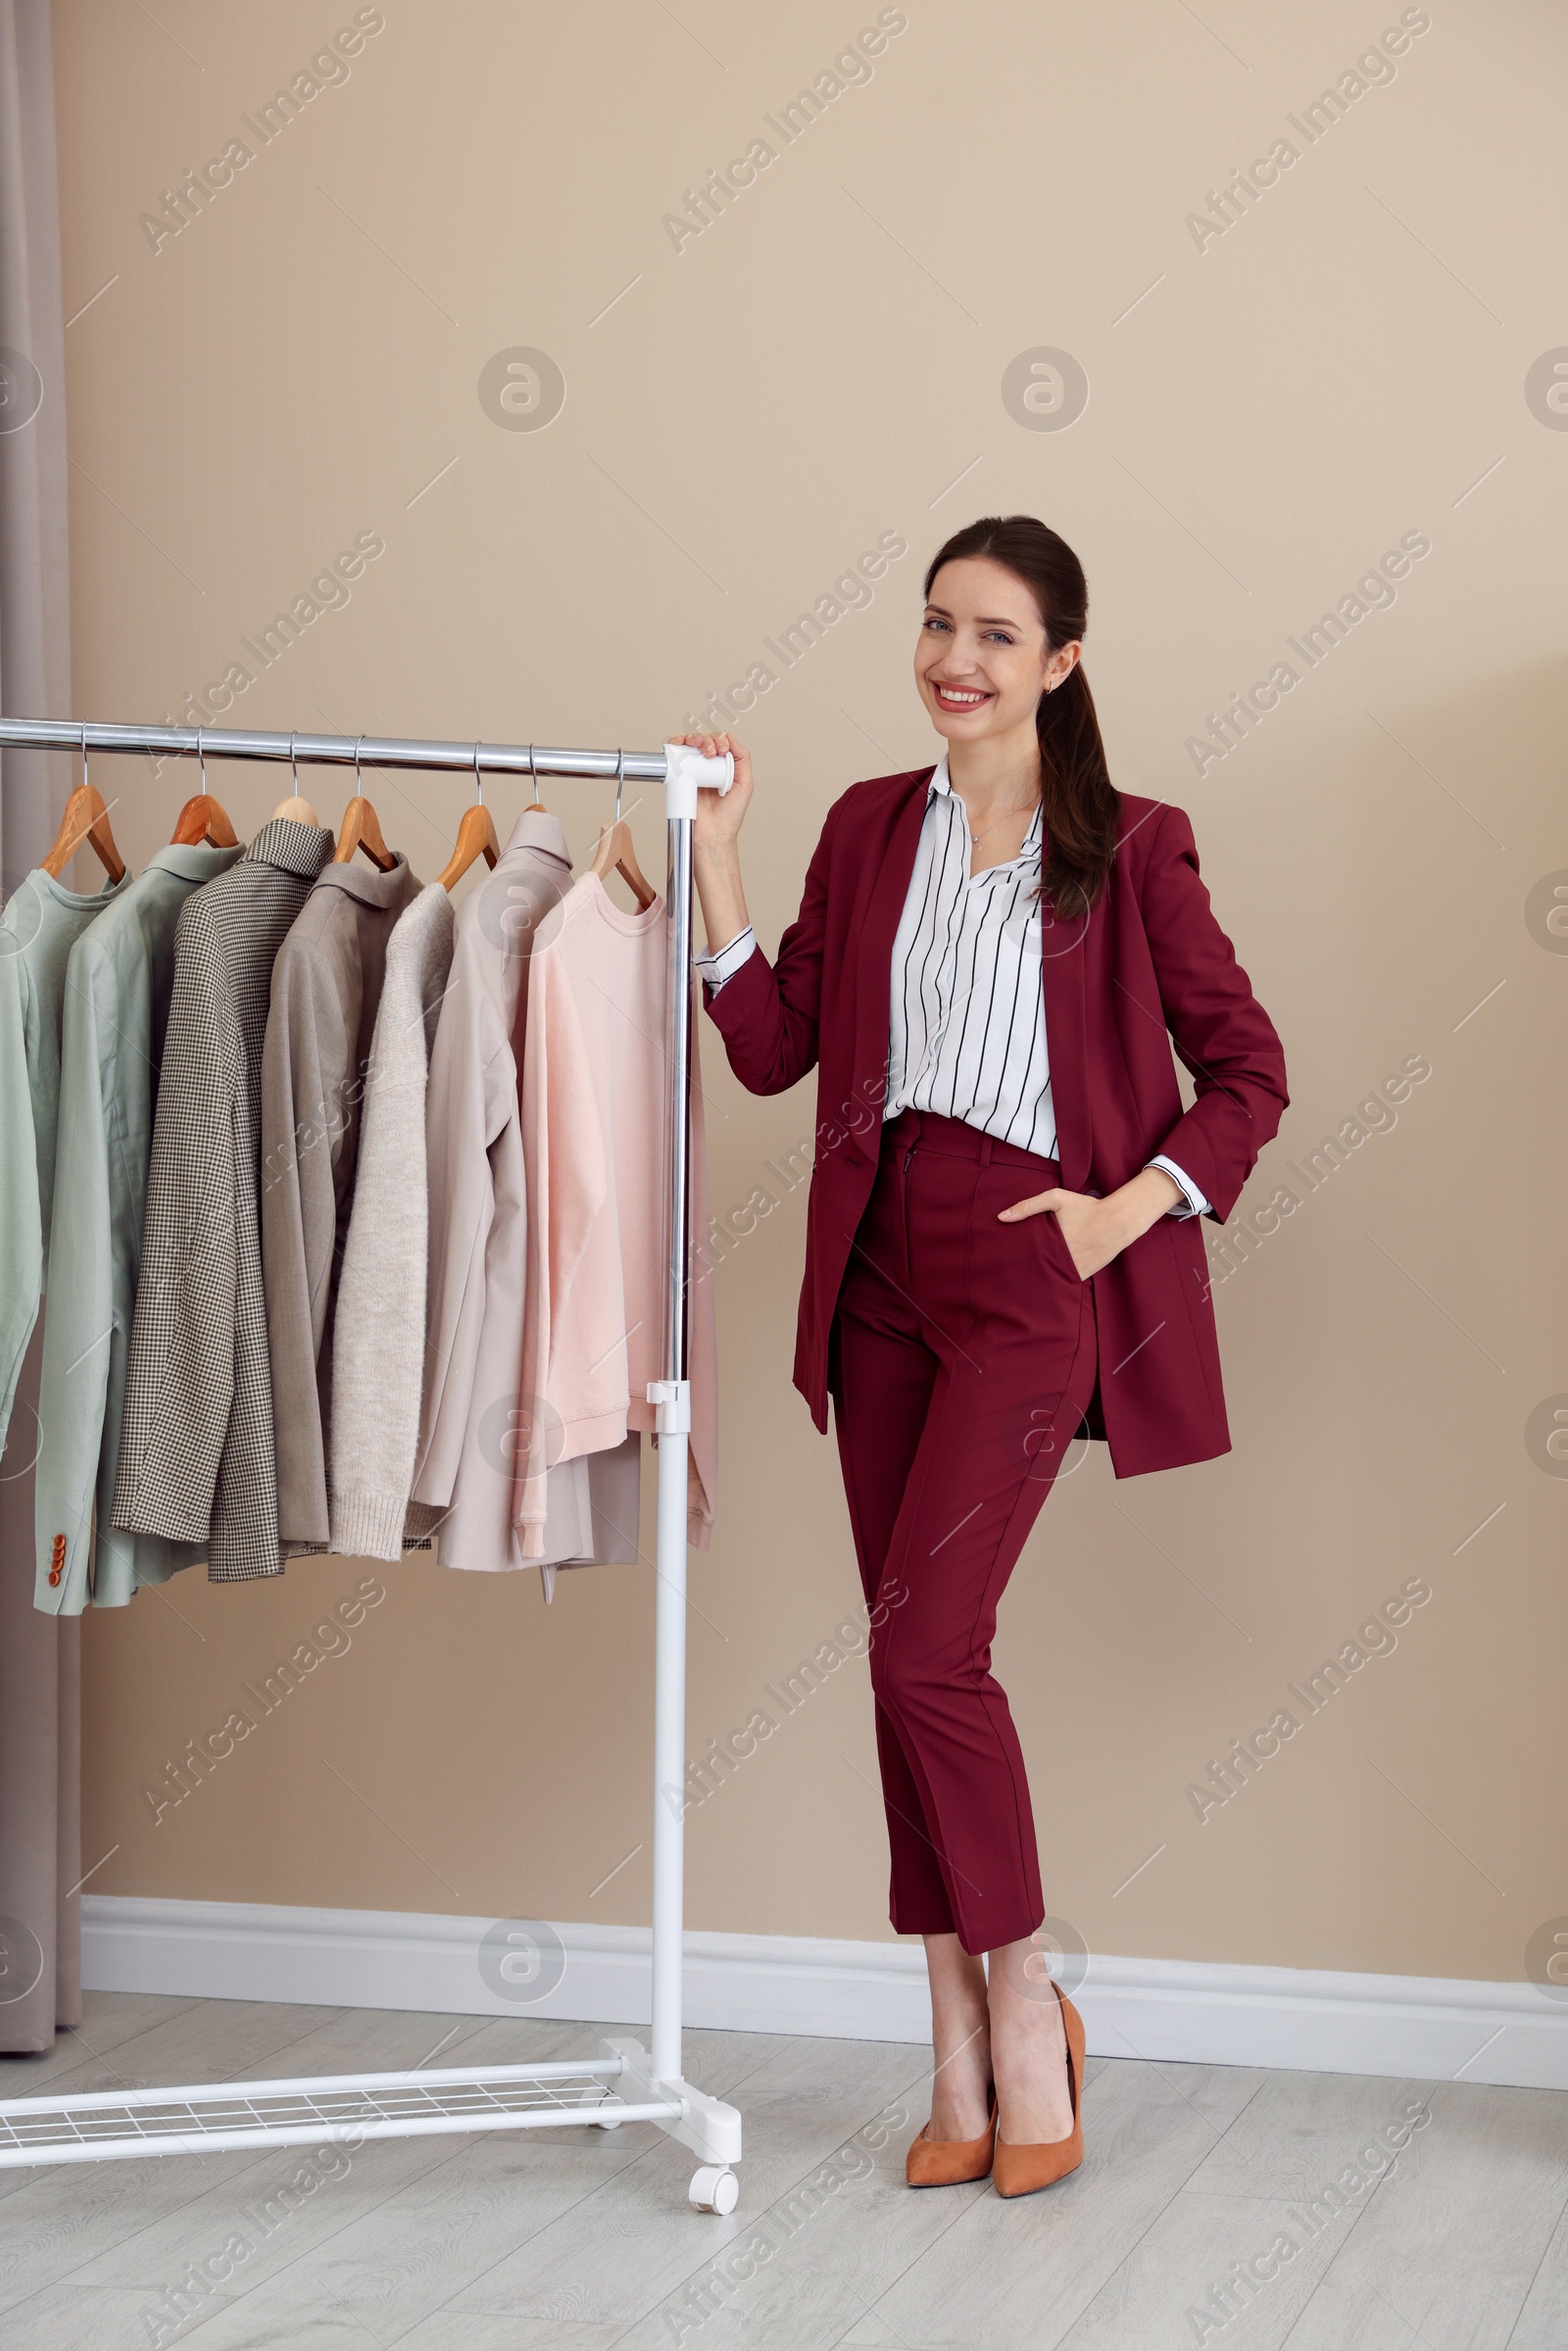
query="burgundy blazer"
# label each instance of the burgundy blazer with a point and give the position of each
(1150, 958)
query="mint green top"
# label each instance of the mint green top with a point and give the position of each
(117, 987)
(37, 932)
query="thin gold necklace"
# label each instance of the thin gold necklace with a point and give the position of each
(975, 838)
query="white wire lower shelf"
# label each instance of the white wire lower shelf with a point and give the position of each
(297, 2113)
(352, 2108)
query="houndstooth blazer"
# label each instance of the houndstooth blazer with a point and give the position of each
(196, 1459)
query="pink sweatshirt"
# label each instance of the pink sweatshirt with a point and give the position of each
(594, 1107)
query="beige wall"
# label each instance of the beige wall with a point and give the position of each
(1269, 412)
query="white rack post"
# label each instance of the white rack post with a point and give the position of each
(626, 2082)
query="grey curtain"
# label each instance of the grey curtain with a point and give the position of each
(41, 1709)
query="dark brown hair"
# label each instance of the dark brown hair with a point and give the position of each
(1082, 806)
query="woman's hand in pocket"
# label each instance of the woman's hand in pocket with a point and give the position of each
(1098, 1230)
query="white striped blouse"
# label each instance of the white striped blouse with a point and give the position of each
(966, 1031)
(967, 1012)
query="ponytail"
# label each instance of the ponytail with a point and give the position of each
(1080, 805)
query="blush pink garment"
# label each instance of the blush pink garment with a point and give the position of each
(467, 1462)
(594, 1101)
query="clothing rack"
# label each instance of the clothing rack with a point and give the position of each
(626, 2082)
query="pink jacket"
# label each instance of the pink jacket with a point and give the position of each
(594, 1107)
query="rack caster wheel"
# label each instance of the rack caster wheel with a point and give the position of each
(714, 2189)
(606, 2119)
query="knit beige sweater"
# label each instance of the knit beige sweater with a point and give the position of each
(378, 1354)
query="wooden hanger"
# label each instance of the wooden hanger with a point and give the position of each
(536, 806)
(616, 851)
(204, 820)
(476, 837)
(86, 820)
(295, 810)
(361, 828)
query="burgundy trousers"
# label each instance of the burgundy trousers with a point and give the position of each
(962, 1360)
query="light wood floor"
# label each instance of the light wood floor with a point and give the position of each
(579, 2241)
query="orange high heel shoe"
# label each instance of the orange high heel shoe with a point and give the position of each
(946, 2161)
(1023, 2170)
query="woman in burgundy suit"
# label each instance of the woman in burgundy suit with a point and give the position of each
(991, 961)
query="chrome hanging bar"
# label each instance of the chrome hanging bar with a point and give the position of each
(343, 751)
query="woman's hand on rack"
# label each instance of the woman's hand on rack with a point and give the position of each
(1098, 1230)
(720, 814)
(715, 841)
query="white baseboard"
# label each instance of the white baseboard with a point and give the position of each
(1415, 2026)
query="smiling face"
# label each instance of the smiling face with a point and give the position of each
(982, 660)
